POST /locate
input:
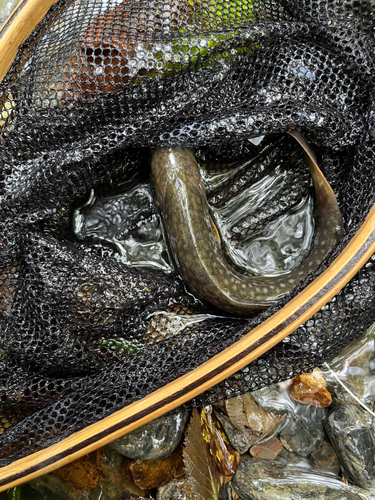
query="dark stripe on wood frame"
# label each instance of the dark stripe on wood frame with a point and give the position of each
(123, 423)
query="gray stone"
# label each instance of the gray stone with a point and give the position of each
(258, 479)
(173, 490)
(176, 490)
(304, 432)
(355, 364)
(157, 439)
(291, 457)
(267, 449)
(352, 435)
(239, 440)
(114, 484)
(325, 459)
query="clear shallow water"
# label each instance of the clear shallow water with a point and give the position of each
(282, 244)
(6, 7)
(130, 224)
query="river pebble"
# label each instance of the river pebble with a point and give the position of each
(304, 431)
(258, 479)
(291, 457)
(247, 423)
(113, 485)
(355, 366)
(290, 448)
(238, 439)
(173, 490)
(311, 389)
(157, 439)
(268, 449)
(351, 432)
(325, 459)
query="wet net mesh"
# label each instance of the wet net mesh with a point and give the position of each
(96, 86)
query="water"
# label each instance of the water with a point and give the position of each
(282, 244)
(130, 225)
(6, 7)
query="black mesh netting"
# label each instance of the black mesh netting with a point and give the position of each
(95, 87)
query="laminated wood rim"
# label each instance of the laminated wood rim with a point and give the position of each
(17, 29)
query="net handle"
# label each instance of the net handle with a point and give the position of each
(19, 26)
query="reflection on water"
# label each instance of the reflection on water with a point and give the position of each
(263, 239)
(282, 246)
(6, 7)
(130, 223)
(266, 228)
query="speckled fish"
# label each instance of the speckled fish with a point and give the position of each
(195, 242)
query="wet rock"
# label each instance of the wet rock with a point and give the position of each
(237, 438)
(30, 494)
(70, 484)
(355, 365)
(155, 440)
(351, 432)
(173, 490)
(50, 486)
(304, 432)
(325, 459)
(148, 474)
(291, 457)
(247, 423)
(226, 492)
(84, 472)
(268, 449)
(114, 484)
(258, 479)
(275, 397)
(310, 389)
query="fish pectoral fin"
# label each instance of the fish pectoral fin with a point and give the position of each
(215, 231)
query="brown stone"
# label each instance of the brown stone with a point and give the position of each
(268, 449)
(84, 472)
(310, 389)
(125, 468)
(247, 423)
(148, 474)
(115, 483)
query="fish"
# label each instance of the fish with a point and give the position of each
(196, 245)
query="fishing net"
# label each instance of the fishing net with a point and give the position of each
(96, 86)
